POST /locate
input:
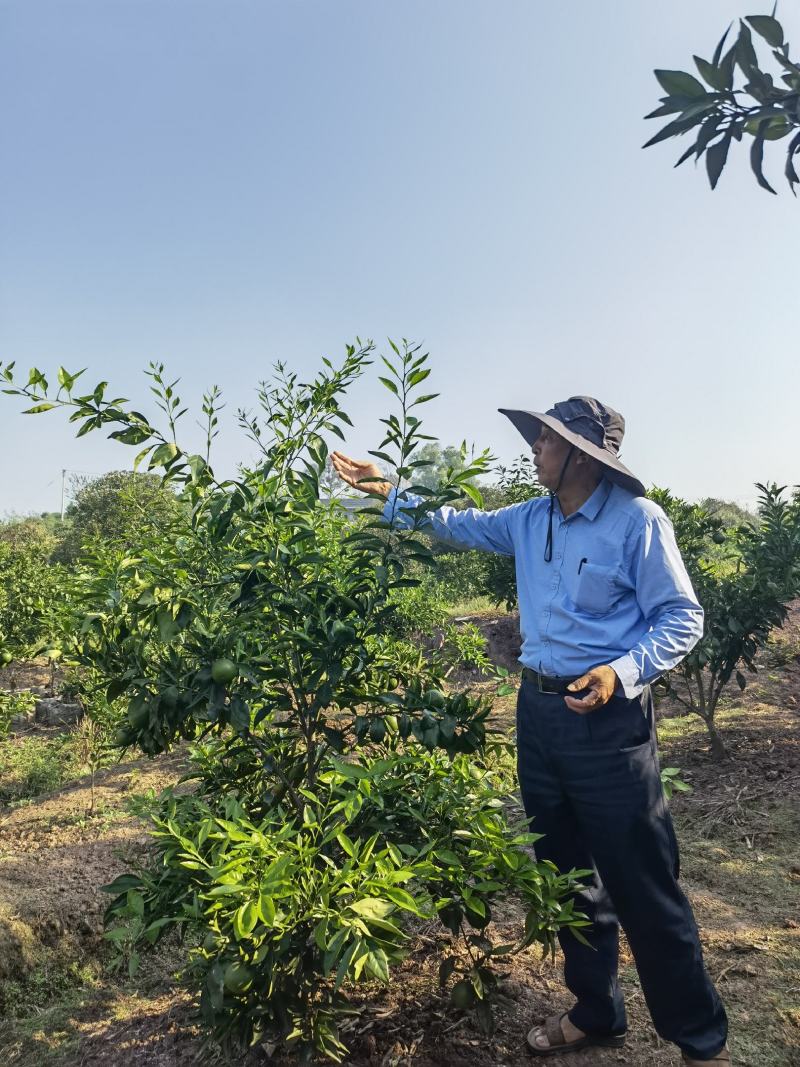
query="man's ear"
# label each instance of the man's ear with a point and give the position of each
(585, 460)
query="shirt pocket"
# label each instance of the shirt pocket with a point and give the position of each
(596, 589)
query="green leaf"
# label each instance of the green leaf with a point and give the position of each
(116, 688)
(122, 884)
(372, 907)
(239, 714)
(473, 493)
(133, 435)
(446, 856)
(727, 68)
(745, 53)
(791, 173)
(672, 129)
(403, 899)
(716, 157)
(679, 83)
(164, 454)
(167, 626)
(378, 964)
(708, 132)
(37, 409)
(757, 157)
(713, 75)
(720, 46)
(346, 844)
(389, 385)
(769, 28)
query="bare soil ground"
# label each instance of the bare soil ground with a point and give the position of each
(739, 831)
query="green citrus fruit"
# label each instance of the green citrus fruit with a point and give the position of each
(238, 977)
(462, 994)
(124, 737)
(5, 656)
(138, 715)
(434, 698)
(777, 128)
(223, 671)
(340, 631)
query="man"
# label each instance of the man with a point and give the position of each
(606, 607)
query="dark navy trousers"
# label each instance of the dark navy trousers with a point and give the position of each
(591, 785)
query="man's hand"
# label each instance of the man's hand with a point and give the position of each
(361, 475)
(601, 683)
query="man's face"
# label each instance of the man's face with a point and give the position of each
(549, 453)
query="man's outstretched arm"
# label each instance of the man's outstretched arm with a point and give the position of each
(489, 531)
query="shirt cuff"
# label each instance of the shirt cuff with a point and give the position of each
(628, 673)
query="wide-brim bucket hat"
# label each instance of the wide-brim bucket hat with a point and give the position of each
(590, 426)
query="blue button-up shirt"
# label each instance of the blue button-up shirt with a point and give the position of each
(616, 591)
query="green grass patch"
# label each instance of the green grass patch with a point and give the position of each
(476, 605)
(31, 766)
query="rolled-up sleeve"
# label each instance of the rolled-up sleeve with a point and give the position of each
(489, 531)
(668, 603)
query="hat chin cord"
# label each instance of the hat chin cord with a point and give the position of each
(548, 548)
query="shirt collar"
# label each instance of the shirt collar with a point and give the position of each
(591, 508)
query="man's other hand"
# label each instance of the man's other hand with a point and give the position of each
(601, 683)
(361, 475)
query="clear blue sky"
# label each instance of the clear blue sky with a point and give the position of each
(221, 184)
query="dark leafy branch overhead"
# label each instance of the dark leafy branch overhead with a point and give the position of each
(719, 111)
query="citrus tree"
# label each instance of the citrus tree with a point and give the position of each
(32, 593)
(718, 112)
(340, 790)
(745, 578)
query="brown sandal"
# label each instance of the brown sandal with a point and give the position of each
(722, 1059)
(557, 1043)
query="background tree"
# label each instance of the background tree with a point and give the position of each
(120, 508)
(720, 112)
(731, 513)
(745, 578)
(32, 589)
(435, 462)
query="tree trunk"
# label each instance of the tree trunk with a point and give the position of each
(707, 701)
(718, 752)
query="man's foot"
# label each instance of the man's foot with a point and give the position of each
(722, 1059)
(558, 1034)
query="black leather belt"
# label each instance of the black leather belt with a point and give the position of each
(545, 684)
